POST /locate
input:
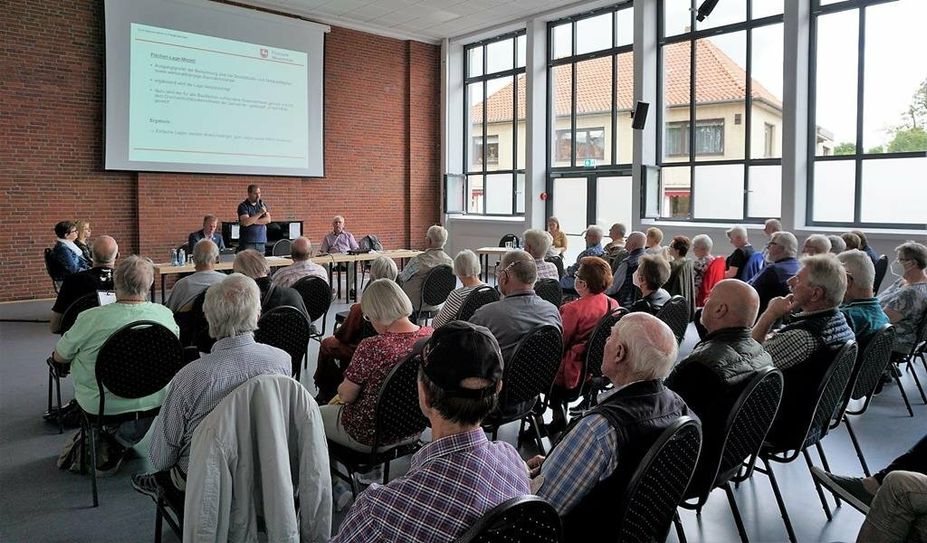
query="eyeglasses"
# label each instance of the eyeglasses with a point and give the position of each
(366, 318)
(771, 243)
(506, 269)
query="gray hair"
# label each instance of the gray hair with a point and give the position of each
(383, 268)
(787, 241)
(438, 236)
(301, 249)
(251, 263)
(205, 252)
(837, 245)
(737, 232)
(859, 266)
(650, 343)
(133, 277)
(819, 243)
(466, 264)
(912, 250)
(384, 302)
(232, 306)
(595, 230)
(539, 241)
(828, 274)
(703, 241)
(520, 265)
(622, 229)
(775, 223)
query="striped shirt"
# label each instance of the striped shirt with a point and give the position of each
(452, 306)
(288, 276)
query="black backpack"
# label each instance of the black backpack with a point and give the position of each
(370, 243)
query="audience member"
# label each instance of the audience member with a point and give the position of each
(253, 218)
(736, 263)
(79, 346)
(458, 383)
(413, 274)
(654, 239)
(99, 277)
(905, 300)
(467, 268)
(205, 253)
(837, 245)
(520, 310)
(253, 264)
(302, 266)
(864, 246)
(559, 243)
(83, 239)
(593, 237)
(816, 244)
(817, 290)
(67, 254)
(232, 308)
(681, 279)
(593, 463)
(898, 512)
(617, 232)
(782, 265)
(705, 275)
(537, 243)
(771, 226)
(652, 273)
(209, 231)
(852, 240)
(622, 287)
(338, 240)
(861, 309)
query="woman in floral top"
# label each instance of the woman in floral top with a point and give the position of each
(905, 301)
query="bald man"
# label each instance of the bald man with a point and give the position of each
(300, 251)
(99, 277)
(622, 287)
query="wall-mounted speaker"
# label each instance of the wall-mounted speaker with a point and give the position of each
(639, 115)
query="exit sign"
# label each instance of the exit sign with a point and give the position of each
(589, 163)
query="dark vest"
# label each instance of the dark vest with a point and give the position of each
(639, 413)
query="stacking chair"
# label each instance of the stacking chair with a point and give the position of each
(523, 519)
(550, 290)
(747, 425)
(916, 351)
(194, 329)
(881, 266)
(138, 360)
(510, 238)
(558, 262)
(437, 286)
(675, 313)
(285, 327)
(477, 298)
(55, 273)
(317, 296)
(55, 374)
(282, 247)
(592, 376)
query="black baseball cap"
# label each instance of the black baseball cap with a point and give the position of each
(460, 350)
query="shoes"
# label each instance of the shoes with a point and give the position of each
(341, 495)
(850, 489)
(145, 483)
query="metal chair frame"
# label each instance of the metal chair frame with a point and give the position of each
(437, 286)
(477, 298)
(523, 519)
(675, 313)
(550, 290)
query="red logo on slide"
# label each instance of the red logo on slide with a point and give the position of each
(263, 53)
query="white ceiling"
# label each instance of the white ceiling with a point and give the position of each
(423, 20)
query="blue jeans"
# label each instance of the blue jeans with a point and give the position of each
(244, 245)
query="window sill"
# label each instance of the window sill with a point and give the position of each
(486, 218)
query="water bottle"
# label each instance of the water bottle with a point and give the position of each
(173, 257)
(181, 257)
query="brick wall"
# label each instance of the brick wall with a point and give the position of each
(381, 148)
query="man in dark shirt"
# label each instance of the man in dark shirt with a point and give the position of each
(253, 217)
(99, 277)
(781, 266)
(865, 247)
(209, 231)
(737, 261)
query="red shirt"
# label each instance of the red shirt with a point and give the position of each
(580, 318)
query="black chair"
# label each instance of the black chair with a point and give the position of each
(646, 510)
(194, 328)
(477, 298)
(55, 372)
(437, 286)
(317, 297)
(282, 247)
(397, 415)
(743, 433)
(558, 262)
(917, 350)
(592, 376)
(523, 519)
(138, 360)
(510, 238)
(550, 290)
(78, 306)
(675, 313)
(529, 373)
(881, 266)
(54, 269)
(285, 327)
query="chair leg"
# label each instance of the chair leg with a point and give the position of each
(59, 415)
(386, 471)
(738, 521)
(917, 381)
(680, 532)
(93, 465)
(83, 449)
(817, 485)
(49, 390)
(778, 494)
(158, 521)
(904, 395)
(826, 465)
(859, 451)
(536, 425)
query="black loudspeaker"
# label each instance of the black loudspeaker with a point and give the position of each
(639, 115)
(705, 9)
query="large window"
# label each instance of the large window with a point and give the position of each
(723, 76)
(867, 135)
(494, 75)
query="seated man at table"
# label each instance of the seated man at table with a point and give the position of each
(99, 277)
(209, 231)
(205, 253)
(338, 240)
(253, 264)
(79, 346)
(301, 267)
(412, 277)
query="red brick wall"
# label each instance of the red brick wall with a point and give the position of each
(381, 148)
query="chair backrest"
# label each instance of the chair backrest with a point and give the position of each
(397, 414)
(77, 306)
(881, 266)
(557, 261)
(316, 295)
(438, 284)
(533, 366)
(595, 346)
(920, 334)
(675, 313)
(550, 290)
(646, 510)
(286, 328)
(753, 266)
(477, 298)
(137, 360)
(53, 267)
(510, 238)
(523, 519)
(282, 247)
(873, 358)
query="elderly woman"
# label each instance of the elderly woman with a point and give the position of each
(707, 269)
(652, 273)
(336, 350)
(83, 238)
(559, 245)
(905, 301)
(537, 244)
(467, 268)
(69, 256)
(851, 240)
(681, 280)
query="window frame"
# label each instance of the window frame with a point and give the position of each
(685, 124)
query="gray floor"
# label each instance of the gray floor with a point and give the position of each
(38, 502)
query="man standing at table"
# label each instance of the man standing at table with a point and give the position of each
(253, 217)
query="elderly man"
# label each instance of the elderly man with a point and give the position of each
(596, 455)
(861, 308)
(593, 237)
(79, 346)
(253, 216)
(617, 232)
(300, 251)
(458, 384)
(338, 240)
(232, 308)
(816, 244)
(537, 243)
(622, 287)
(782, 265)
(520, 310)
(737, 261)
(209, 231)
(205, 253)
(771, 226)
(837, 245)
(413, 275)
(99, 277)
(253, 264)
(819, 328)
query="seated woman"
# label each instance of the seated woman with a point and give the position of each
(67, 254)
(388, 308)
(336, 350)
(83, 239)
(652, 273)
(467, 268)
(704, 274)
(559, 244)
(681, 280)
(905, 301)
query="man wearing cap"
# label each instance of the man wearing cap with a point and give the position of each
(460, 475)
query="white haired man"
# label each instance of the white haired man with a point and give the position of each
(593, 237)
(537, 243)
(99, 277)
(205, 254)
(771, 226)
(300, 252)
(412, 277)
(736, 263)
(816, 244)
(781, 266)
(622, 287)
(861, 308)
(338, 240)
(595, 459)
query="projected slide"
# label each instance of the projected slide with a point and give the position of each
(196, 99)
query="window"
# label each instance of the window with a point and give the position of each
(590, 143)
(868, 99)
(492, 149)
(709, 137)
(769, 140)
